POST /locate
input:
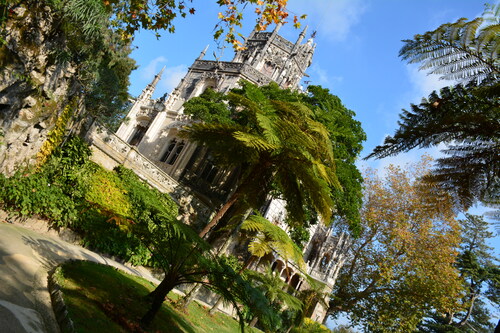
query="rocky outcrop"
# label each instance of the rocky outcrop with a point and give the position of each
(35, 83)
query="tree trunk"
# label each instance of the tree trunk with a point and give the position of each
(469, 311)
(219, 214)
(158, 296)
(190, 296)
(215, 306)
(261, 174)
(253, 322)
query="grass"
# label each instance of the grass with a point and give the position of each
(103, 299)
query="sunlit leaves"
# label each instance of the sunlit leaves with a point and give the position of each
(129, 16)
(403, 263)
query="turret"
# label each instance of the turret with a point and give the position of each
(301, 37)
(202, 54)
(147, 93)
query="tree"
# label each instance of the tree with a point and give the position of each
(403, 263)
(466, 116)
(82, 58)
(276, 291)
(268, 238)
(131, 15)
(265, 239)
(79, 62)
(277, 144)
(183, 256)
(480, 272)
(347, 137)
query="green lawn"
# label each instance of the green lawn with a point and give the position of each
(102, 299)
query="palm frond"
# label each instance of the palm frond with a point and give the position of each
(464, 50)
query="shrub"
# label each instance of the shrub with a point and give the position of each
(34, 194)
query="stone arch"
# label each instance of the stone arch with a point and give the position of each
(295, 281)
(287, 274)
(278, 266)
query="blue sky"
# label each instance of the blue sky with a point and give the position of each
(356, 56)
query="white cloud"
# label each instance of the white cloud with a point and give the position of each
(320, 76)
(423, 83)
(171, 77)
(334, 18)
(152, 68)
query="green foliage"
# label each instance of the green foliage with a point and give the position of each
(107, 193)
(146, 201)
(347, 137)
(104, 235)
(55, 191)
(56, 135)
(277, 144)
(278, 293)
(268, 238)
(253, 108)
(104, 207)
(403, 264)
(34, 194)
(463, 51)
(115, 301)
(100, 56)
(464, 117)
(481, 274)
(300, 235)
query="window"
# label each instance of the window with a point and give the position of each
(209, 172)
(173, 151)
(138, 135)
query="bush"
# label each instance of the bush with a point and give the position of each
(34, 194)
(101, 234)
(105, 207)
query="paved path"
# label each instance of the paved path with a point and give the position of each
(26, 257)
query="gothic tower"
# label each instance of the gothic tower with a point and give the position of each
(152, 124)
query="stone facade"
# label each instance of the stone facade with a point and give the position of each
(33, 85)
(148, 142)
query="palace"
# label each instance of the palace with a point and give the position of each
(148, 142)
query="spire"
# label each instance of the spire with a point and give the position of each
(277, 28)
(202, 54)
(301, 36)
(147, 93)
(157, 78)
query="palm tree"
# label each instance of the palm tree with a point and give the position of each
(275, 289)
(187, 259)
(463, 51)
(277, 144)
(466, 117)
(267, 238)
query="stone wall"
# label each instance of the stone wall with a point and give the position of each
(33, 85)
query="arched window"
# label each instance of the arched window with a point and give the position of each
(208, 170)
(172, 152)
